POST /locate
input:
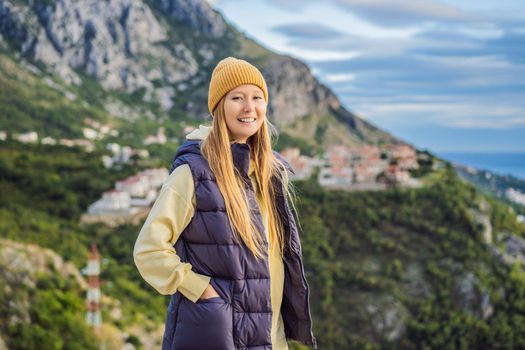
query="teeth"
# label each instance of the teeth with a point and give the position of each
(247, 119)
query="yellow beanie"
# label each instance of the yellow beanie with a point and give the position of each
(230, 73)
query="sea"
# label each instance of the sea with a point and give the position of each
(499, 163)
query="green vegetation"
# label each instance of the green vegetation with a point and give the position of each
(284, 141)
(48, 188)
(402, 251)
(406, 253)
(426, 160)
(56, 316)
(29, 104)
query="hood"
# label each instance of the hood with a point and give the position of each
(200, 133)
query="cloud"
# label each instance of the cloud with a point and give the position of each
(467, 92)
(307, 30)
(386, 12)
(422, 41)
(401, 12)
(291, 5)
(333, 56)
(365, 46)
(437, 60)
(485, 123)
(495, 62)
(508, 43)
(465, 114)
(338, 78)
(461, 75)
(421, 65)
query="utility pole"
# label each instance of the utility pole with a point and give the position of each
(93, 316)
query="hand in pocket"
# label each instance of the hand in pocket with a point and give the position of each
(209, 292)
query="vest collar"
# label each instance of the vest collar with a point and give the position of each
(241, 157)
(240, 154)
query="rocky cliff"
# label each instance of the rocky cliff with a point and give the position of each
(166, 50)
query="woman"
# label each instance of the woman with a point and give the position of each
(221, 238)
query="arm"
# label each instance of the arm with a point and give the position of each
(154, 254)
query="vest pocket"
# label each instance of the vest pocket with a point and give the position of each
(206, 324)
(210, 300)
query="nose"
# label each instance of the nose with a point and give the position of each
(248, 105)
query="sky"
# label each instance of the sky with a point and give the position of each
(447, 76)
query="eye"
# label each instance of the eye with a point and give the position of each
(236, 97)
(258, 97)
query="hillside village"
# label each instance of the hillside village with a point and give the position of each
(129, 200)
(369, 167)
(92, 132)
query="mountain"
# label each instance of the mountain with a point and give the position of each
(496, 185)
(435, 267)
(161, 52)
(402, 268)
(28, 276)
(43, 245)
(431, 268)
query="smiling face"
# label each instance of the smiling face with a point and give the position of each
(244, 110)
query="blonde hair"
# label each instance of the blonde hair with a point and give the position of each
(216, 148)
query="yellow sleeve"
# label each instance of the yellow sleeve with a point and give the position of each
(154, 254)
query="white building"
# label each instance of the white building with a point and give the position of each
(100, 129)
(135, 186)
(405, 155)
(146, 201)
(302, 165)
(515, 196)
(90, 133)
(112, 200)
(156, 177)
(335, 176)
(105, 129)
(159, 138)
(107, 161)
(114, 148)
(188, 129)
(49, 141)
(66, 142)
(121, 154)
(130, 195)
(142, 153)
(88, 145)
(394, 174)
(125, 154)
(28, 137)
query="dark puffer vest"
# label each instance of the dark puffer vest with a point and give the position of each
(241, 317)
